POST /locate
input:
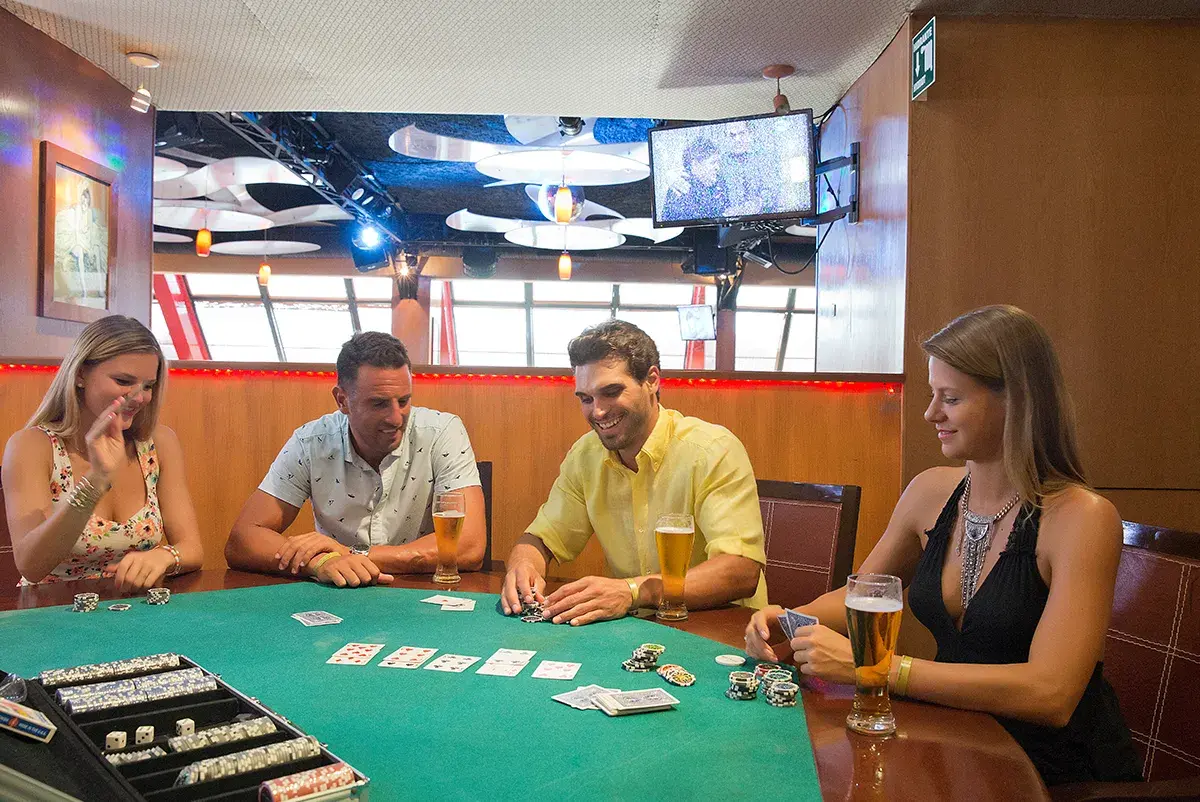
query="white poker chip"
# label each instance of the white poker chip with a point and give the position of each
(731, 660)
(118, 607)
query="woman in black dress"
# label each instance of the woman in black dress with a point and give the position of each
(1020, 609)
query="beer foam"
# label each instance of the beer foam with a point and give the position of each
(872, 604)
(675, 530)
(450, 514)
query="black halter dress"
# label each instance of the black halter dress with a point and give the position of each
(998, 628)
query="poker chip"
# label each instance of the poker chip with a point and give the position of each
(782, 694)
(85, 602)
(121, 758)
(532, 612)
(226, 733)
(731, 660)
(214, 768)
(677, 675)
(636, 668)
(743, 686)
(644, 658)
(763, 668)
(158, 596)
(120, 607)
(770, 678)
(306, 783)
(119, 693)
(54, 677)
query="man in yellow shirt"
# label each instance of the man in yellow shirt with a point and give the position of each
(640, 461)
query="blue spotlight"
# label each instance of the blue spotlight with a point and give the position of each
(369, 237)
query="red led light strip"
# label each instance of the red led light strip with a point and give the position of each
(508, 378)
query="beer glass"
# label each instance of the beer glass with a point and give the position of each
(674, 535)
(873, 606)
(449, 513)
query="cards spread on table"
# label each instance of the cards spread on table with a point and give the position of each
(464, 605)
(355, 654)
(407, 657)
(454, 663)
(581, 697)
(553, 669)
(439, 599)
(792, 620)
(624, 703)
(507, 662)
(316, 618)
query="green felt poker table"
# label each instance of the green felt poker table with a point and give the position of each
(420, 734)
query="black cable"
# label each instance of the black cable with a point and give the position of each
(816, 250)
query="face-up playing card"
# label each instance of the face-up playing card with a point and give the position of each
(501, 669)
(407, 657)
(553, 669)
(439, 599)
(355, 654)
(316, 618)
(454, 663)
(521, 656)
(792, 620)
(463, 605)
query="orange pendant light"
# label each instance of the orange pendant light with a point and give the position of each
(563, 203)
(203, 242)
(264, 273)
(564, 266)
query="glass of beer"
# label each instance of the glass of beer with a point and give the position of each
(674, 535)
(873, 606)
(449, 512)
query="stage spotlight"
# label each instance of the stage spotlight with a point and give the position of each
(356, 194)
(570, 126)
(368, 238)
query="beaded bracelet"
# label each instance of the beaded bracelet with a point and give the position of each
(85, 495)
(174, 552)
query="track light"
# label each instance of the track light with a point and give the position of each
(570, 126)
(368, 237)
(564, 266)
(140, 102)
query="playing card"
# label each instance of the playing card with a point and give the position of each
(581, 697)
(316, 618)
(553, 669)
(521, 656)
(407, 657)
(355, 654)
(800, 619)
(454, 663)
(439, 599)
(626, 702)
(464, 605)
(785, 623)
(501, 669)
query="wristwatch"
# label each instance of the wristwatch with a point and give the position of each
(360, 550)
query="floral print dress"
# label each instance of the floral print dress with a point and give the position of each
(103, 542)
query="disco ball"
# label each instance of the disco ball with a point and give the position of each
(560, 204)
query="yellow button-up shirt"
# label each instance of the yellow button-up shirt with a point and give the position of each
(686, 465)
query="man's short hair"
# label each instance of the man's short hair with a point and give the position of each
(615, 339)
(698, 150)
(372, 348)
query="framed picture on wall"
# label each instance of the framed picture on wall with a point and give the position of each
(78, 248)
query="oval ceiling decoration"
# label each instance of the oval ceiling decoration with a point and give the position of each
(552, 236)
(167, 169)
(219, 220)
(168, 236)
(574, 167)
(257, 247)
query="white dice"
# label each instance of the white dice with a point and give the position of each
(185, 726)
(115, 740)
(144, 735)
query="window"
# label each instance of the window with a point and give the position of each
(577, 291)
(312, 332)
(488, 290)
(372, 317)
(236, 331)
(489, 336)
(554, 328)
(655, 294)
(373, 288)
(755, 297)
(801, 354)
(307, 288)
(158, 325)
(223, 285)
(663, 328)
(758, 340)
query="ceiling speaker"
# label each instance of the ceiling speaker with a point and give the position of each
(479, 262)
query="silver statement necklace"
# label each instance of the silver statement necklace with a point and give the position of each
(976, 541)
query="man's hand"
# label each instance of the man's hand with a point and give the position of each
(593, 598)
(351, 570)
(758, 632)
(821, 652)
(522, 584)
(296, 551)
(139, 570)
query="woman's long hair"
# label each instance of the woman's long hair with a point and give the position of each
(102, 340)
(1006, 350)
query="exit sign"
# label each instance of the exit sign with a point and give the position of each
(923, 72)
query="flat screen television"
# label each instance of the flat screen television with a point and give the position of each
(736, 170)
(697, 322)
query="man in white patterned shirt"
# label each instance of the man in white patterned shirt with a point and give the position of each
(370, 470)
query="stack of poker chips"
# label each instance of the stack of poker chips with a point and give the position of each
(158, 596)
(761, 669)
(773, 677)
(226, 733)
(743, 686)
(644, 658)
(121, 758)
(677, 675)
(85, 602)
(214, 768)
(53, 677)
(781, 693)
(532, 612)
(300, 786)
(118, 693)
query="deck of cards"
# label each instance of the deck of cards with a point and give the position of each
(456, 603)
(581, 698)
(316, 618)
(792, 620)
(624, 703)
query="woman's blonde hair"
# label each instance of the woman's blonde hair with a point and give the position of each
(1006, 350)
(102, 340)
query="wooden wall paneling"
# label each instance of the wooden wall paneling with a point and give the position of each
(1173, 509)
(231, 428)
(1056, 166)
(860, 291)
(51, 93)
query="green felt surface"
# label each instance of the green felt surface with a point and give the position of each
(428, 734)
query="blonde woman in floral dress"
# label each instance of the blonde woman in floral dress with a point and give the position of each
(94, 487)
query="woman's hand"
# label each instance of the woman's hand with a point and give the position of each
(106, 442)
(821, 652)
(140, 570)
(758, 632)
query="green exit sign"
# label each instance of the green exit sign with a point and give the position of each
(923, 72)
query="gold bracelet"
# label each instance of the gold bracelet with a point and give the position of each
(634, 591)
(85, 495)
(902, 677)
(174, 552)
(316, 564)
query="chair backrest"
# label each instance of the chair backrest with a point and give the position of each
(485, 482)
(1152, 652)
(810, 531)
(9, 575)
